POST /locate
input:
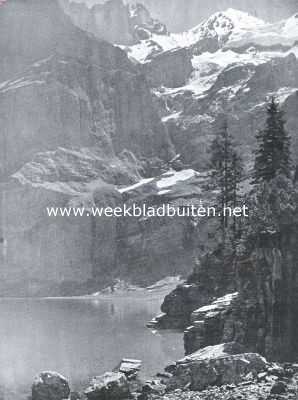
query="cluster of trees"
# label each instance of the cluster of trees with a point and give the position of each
(262, 248)
(272, 160)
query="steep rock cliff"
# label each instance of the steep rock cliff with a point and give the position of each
(114, 20)
(77, 117)
(268, 306)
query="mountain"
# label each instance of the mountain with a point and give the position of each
(87, 123)
(238, 62)
(231, 29)
(77, 117)
(113, 20)
(179, 18)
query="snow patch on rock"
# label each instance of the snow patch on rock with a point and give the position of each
(171, 178)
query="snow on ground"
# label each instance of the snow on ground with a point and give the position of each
(232, 28)
(170, 280)
(281, 33)
(206, 353)
(220, 25)
(122, 288)
(17, 84)
(164, 182)
(283, 93)
(235, 28)
(171, 178)
(219, 303)
(136, 185)
(208, 66)
(175, 115)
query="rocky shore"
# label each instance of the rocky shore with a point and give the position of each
(216, 372)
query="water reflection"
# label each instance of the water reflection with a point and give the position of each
(78, 338)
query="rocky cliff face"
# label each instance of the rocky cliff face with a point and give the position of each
(64, 107)
(170, 69)
(211, 278)
(261, 314)
(52, 250)
(269, 302)
(114, 20)
(82, 119)
(76, 116)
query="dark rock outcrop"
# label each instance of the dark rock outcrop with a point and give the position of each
(210, 279)
(268, 306)
(211, 325)
(178, 306)
(50, 386)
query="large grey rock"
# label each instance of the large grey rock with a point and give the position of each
(110, 386)
(215, 365)
(50, 386)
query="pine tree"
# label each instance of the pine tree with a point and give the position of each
(273, 153)
(237, 173)
(227, 170)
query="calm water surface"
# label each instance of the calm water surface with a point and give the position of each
(79, 338)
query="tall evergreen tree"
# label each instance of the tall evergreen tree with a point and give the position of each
(227, 170)
(273, 153)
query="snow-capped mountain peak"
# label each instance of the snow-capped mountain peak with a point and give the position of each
(230, 29)
(290, 27)
(223, 24)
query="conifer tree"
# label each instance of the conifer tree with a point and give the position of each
(227, 170)
(273, 153)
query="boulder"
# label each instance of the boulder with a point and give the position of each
(50, 386)
(130, 367)
(215, 365)
(278, 388)
(110, 386)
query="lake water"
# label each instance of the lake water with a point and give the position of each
(79, 338)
